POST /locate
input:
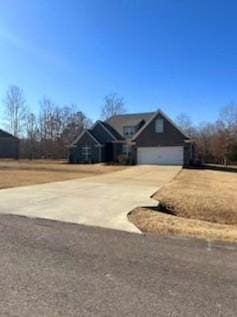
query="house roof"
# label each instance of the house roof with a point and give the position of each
(110, 130)
(115, 133)
(4, 134)
(119, 121)
(95, 136)
(115, 124)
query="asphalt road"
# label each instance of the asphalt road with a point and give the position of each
(50, 268)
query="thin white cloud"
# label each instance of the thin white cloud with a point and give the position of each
(39, 53)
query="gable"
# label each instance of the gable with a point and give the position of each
(102, 134)
(148, 135)
(86, 138)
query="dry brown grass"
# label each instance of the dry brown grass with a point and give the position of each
(24, 172)
(203, 204)
(203, 195)
(151, 221)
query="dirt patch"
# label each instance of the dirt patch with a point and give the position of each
(24, 172)
(148, 220)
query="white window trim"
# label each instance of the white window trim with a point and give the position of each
(159, 125)
(132, 129)
(128, 148)
(86, 151)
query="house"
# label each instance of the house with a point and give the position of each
(9, 145)
(140, 138)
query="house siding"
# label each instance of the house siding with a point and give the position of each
(9, 147)
(86, 139)
(76, 156)
(170, 137)
(118, 150)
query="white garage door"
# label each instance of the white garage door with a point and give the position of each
(164, 155)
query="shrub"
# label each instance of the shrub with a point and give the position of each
(123, 159)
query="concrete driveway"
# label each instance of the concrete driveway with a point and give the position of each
(102, 200)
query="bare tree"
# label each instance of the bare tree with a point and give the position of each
(46, 127)
(185, 123)
(59, 127)
(46, 118)
(113, 105)
(32, 136)
(228, 115)
(76, 122)
(215, 143)
(32, 126)
(228, 122)
(15, 110)
(30, 143)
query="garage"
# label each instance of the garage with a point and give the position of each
(163, 155)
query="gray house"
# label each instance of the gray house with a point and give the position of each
(9, 145)
(140, 138)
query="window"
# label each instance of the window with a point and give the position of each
(129, 131)
(159, 125)
(126, 149)
(86, 152)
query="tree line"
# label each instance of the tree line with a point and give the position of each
(215, 142)
(49, 133)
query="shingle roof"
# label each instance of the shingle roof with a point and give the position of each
(96, 136)
(119, 121)
(4, 134)
(115, 133)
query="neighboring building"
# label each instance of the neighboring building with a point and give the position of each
(140, 138)
(9, 145)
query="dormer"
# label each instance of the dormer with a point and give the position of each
(129, 131)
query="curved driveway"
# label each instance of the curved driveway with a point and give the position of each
(102, 200)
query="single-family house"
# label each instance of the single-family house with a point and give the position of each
(9, 145)
(139, 138)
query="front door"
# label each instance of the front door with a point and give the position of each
(109, 155)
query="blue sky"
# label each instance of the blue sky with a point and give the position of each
(177, 55)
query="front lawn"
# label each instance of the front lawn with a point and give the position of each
(24, 172)
(200, 203)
